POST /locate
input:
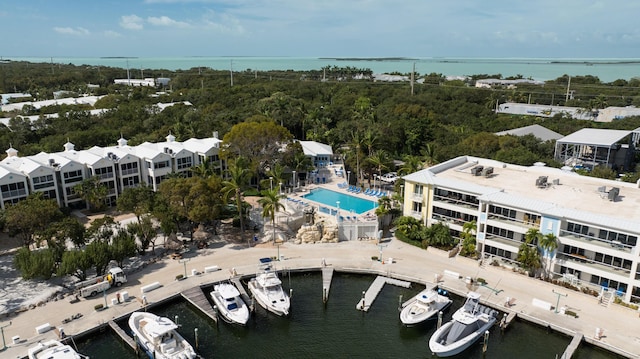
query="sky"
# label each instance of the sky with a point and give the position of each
(321, 28)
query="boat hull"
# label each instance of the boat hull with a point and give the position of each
(278, 304)
(232, 310)
(460, 345)
(417, 311)
(159, 343)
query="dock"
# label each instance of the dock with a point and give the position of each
(372, 293)
(327, 276)
(573, 346)
(243, 293)
(196, 297)
(507, 319)
(123, 335)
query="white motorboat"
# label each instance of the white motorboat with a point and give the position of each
(53, 349)
(158, 337)
(230, 305)
(267, 290)
(467, 325)
(424, 306)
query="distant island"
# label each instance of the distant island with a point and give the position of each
(118, 57)
(368, 58)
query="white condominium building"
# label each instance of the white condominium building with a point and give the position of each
(596, 221)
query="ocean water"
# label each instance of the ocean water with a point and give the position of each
(607, 70)
(337, 329)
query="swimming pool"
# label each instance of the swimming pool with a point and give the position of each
(347, 202)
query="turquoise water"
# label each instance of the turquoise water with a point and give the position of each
(607, 70)
(337, 329)
(347, 203)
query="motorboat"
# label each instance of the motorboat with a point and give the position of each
(266, 288)
(424, 306)
(158, 337)
(230, 305)
(467, 325)
(53, 349)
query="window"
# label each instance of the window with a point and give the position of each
(417, 207)
(163, 164)
(73, 176)
(42, 182)
(418, 189)
(577, 228)
(104, 172)
(13, 190)
(183, 162)
(129, 168)
(501, 211)
(130, 181)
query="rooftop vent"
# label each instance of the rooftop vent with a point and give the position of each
(613, 194)
(541, 182)
(477, 170)
(487, 172)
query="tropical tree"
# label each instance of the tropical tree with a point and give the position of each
(410, 230)
(93, 192)
(123, 245)
(468, 238)
(76, 263)
(30, 217)
(439, 235)
(529, 257)
(548, 243)
(271, 204)
(379, 160)
(239, 177)
(138, 200)
(145, 232)
(411, 164)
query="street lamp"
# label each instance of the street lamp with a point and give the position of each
(559, 295)
(348, 174)
(338, 211)
(294, 179)
(4, 345)
(280, 184)
(271, 182)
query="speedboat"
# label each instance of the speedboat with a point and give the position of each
(158, 337)
(229, 304)
(467, 325)
(267, 290)
(53, 349)
(424, 306)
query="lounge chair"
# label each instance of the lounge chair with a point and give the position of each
(368, 191)
(382, 194)
(374, 193)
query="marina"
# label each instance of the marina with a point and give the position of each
(378, 333)
(350, 278)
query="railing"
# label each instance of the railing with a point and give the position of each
(591, 238)
(592, 263)
(500, 217)
(130, 171)
(510, 240)
(14, 193)
(455, 201)
(442, 217)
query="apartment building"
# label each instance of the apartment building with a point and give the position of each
(595, 220)
(118, 167)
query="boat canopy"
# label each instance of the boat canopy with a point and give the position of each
(159, 327)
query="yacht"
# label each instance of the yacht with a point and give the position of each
(229, 304)
(467, 325)
(424, 306)
(267, 290)
(53, 349)
(158, 337)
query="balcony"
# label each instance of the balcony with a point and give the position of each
(456, 201)
(504, 240)
(508, 220)
(587, 264)
(591, 239)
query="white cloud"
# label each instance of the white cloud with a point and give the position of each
(223, 23)
(166, 21)
(131, 22)
(78, 31)
(112, 34)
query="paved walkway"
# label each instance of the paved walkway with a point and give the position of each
(621, 325)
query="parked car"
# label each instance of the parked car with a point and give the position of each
(390, 177)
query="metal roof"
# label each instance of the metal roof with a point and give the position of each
(538, 131)
(595, 137)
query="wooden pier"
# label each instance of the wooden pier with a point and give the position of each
(243, 293)
(327, 276)
(573, 346)
(370, 295)
(123, 335)
(196, 297)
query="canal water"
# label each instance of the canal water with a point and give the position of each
(337, 329)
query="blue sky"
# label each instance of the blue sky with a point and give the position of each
(321, 28)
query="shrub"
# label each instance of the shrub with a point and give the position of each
(179, 276)
(481, 281)
(98, 307)
(374, 258)
(571, 313)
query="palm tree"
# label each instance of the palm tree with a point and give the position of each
(528, 254)
(428, 153)
(239, 176)
(548, 243)
(380, 160)
(468, 240)
(532, 236)
(270, 205)
(205, 169)
(411, 164)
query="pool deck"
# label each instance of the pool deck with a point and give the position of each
(619, 327)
